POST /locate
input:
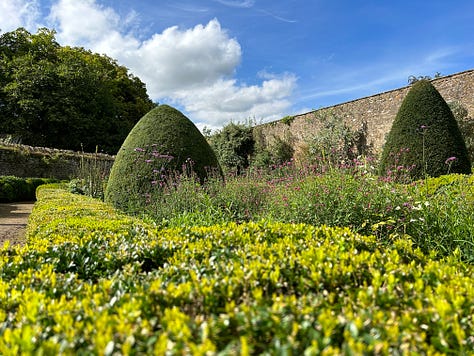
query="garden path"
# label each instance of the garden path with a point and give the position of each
(13, 220)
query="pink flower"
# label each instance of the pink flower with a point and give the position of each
(450, 159)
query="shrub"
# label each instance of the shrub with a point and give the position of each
(13, 189)
(335, 142)
(94, 281)
(233, 146)
(466, 125)
(164, 141)
(276, 152)
(427, 133)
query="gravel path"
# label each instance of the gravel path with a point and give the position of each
(13, 220)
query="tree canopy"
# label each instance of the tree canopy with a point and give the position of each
(65, 97)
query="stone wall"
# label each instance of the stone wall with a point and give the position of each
(38, 162)
(376, 111)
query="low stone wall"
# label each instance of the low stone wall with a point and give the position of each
(377, 112)
(27, 161)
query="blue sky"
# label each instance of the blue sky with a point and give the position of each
(234, 60)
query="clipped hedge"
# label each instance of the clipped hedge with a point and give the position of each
(94, 281)
(13, 189)
(162, 144)
(424, 138)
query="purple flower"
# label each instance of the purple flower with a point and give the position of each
(450, 159)
(138, 149)
(423, 127)
(162, 156)
(148, 160)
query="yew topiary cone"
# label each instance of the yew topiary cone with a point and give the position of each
(164, 142)
(425, 138)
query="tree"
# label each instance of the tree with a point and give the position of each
(65, 97)
(162, 143)
(425, 138)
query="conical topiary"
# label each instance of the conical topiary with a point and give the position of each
(424, 138)
(161, 144)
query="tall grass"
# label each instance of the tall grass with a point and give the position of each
(436, 213)
(91, 175)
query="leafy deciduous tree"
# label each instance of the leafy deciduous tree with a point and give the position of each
(65, 97)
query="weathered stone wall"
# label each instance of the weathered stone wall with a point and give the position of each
(376, 111)
(38, 162)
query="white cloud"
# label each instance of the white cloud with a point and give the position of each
(183, 59)
(85, 23)
(236, 3)
(225, 100)
(193, 68)
(18, 13)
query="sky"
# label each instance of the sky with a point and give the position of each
(221, 61)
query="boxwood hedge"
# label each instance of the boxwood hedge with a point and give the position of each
(13, 189)
(91, 280)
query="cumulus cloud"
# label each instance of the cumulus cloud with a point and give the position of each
(194, 68)
(184, 59)
(86, 23)
(225, 100)
(19, 13)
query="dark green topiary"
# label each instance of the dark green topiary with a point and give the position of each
(424, 138)
(164, 142)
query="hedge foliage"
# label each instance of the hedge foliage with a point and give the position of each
(13, 189)
(162, 142)
(425, 138)
(94, 281)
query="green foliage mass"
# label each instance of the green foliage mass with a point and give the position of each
(234, 145)
(65, 97)
(335, 141)
(437, 213)
(278, 151)
(162, 143)
(466, 126)
(94, 281)
(425, 137)
(14, 189)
